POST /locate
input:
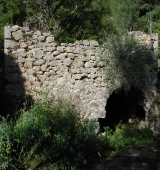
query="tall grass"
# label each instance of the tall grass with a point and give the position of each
(127, 135)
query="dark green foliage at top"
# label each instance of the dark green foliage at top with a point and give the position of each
(88, 19)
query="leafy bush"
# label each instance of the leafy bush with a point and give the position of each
(128, 135)
(51, 134)
(123, 53)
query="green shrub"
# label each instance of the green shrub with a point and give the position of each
(128, 135)
(130, 62)
(50, 134)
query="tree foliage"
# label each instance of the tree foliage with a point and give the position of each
(88, 19)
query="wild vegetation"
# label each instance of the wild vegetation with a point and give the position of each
(53, 134)
(125, 54)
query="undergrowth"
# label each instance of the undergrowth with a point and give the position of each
(127, 135)
(53, 134)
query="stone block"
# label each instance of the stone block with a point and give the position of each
(78, 63)
(37, 53)
(78, 50)
(69, 49)
(14, 28)
(23, 45)
(7, 32)
(46, 34)
(39, 62)
(79, 84)
(51, 49)
(41, 38)
(28, 64)
(21, 53)
(86, 42)
(17, 35)
(26, 29)
(49, 39)
(85, 70)
(60, 49)
(21, 60)
(71, 55)
(60, 57)
(94, 43)
(10, 44)
(38, 33)
(67, 62)
(55, 53)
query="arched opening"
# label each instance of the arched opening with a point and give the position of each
(122, 106)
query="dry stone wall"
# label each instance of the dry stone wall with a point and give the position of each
(35, 62)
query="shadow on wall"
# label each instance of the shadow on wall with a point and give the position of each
(122, 106)
(13, 96)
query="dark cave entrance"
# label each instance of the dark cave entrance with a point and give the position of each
(122, 106)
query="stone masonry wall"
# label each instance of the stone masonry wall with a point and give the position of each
(35, 62)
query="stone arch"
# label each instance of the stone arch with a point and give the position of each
(123, 106)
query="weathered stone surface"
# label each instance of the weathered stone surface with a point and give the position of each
(21, 60)
(25, 29)
(38, 33)
(55, 53)
(10, 44)
(23, 45)
(54, 63)
(78, 63)
(41, 38)
(7, 32)
(46, 34)
(67, 61)
(21, 52)
(14, 28)
(86, 42)
(64, 44)
(78, 51)
(51, 49)
(49, 39)
(69, 49)
(39, 62)
(85, 70)
(79, 84)
(48, 57)
(94, 43)
(60, 57)
(72, 68)
(60, 49)
(17, 35)
(37, 53)
(88, 64)
(28, 64)
(71, 56)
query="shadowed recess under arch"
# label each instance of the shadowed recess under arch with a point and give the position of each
(123, 106)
